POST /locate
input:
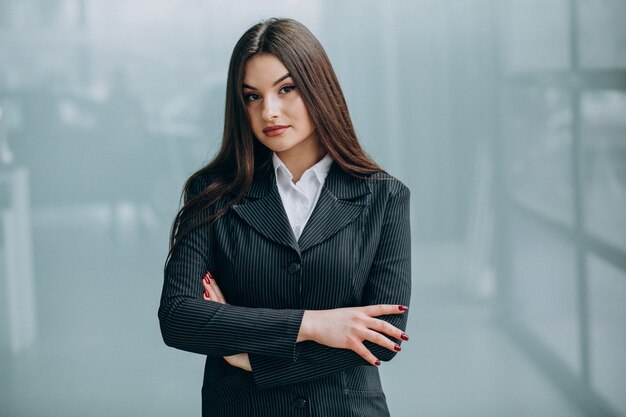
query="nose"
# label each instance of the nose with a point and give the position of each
(271, 108)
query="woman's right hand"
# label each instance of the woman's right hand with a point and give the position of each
(348, 327)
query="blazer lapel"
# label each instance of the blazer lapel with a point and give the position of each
(337, 206)
(262, 208)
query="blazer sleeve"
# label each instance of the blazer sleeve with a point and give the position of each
(190, 323)
(389, 282)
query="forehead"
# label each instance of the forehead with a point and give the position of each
(263, 70)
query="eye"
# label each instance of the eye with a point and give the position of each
(251, 97)
(287, 88)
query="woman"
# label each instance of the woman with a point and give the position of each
(289, 263)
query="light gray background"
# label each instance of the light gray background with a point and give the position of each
(507, 119)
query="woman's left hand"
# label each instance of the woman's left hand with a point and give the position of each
(213, 293)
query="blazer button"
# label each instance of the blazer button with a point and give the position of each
(300, 403)
(293, 267)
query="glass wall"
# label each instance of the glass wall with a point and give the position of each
(563, 127)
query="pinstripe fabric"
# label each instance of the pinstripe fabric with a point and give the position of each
(354, 250)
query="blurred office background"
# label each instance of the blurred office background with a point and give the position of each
(506, 118)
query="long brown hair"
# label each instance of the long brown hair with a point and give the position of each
(232, 169)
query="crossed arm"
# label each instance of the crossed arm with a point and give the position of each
(290, 345)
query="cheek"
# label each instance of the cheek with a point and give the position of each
(301, 112)
(253, 120)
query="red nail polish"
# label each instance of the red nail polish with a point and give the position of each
(404, 336)
(403, 308)
(206, 294)
(206, 279)
(397, 348)
(377, 363)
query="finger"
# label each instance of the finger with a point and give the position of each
(381, 340)
(383, 309)
(216, 288)
(213, 294)
(387, 328)
(364, 352)
(213, 291)
(206, 288)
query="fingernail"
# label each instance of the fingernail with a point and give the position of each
(206, 294)
(397, 348)
(403, 308)
(377, 363)
(206, 279)
(404, 336)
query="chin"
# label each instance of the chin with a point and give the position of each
(277, 145)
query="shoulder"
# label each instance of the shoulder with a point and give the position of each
(194, 186)
(198, 182)
(385, 185)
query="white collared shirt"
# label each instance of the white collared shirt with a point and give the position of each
(300, 198)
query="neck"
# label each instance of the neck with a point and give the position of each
(299, 160)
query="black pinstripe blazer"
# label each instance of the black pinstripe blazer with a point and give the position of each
(354, 250)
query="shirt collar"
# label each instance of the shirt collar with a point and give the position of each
(320, 169)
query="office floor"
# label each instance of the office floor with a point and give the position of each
(99, 351)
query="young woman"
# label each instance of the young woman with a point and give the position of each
(290, 259)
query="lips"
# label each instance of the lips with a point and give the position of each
(275, 130)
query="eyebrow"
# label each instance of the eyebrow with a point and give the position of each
(275, 82)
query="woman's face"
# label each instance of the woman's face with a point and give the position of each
(276, 112)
